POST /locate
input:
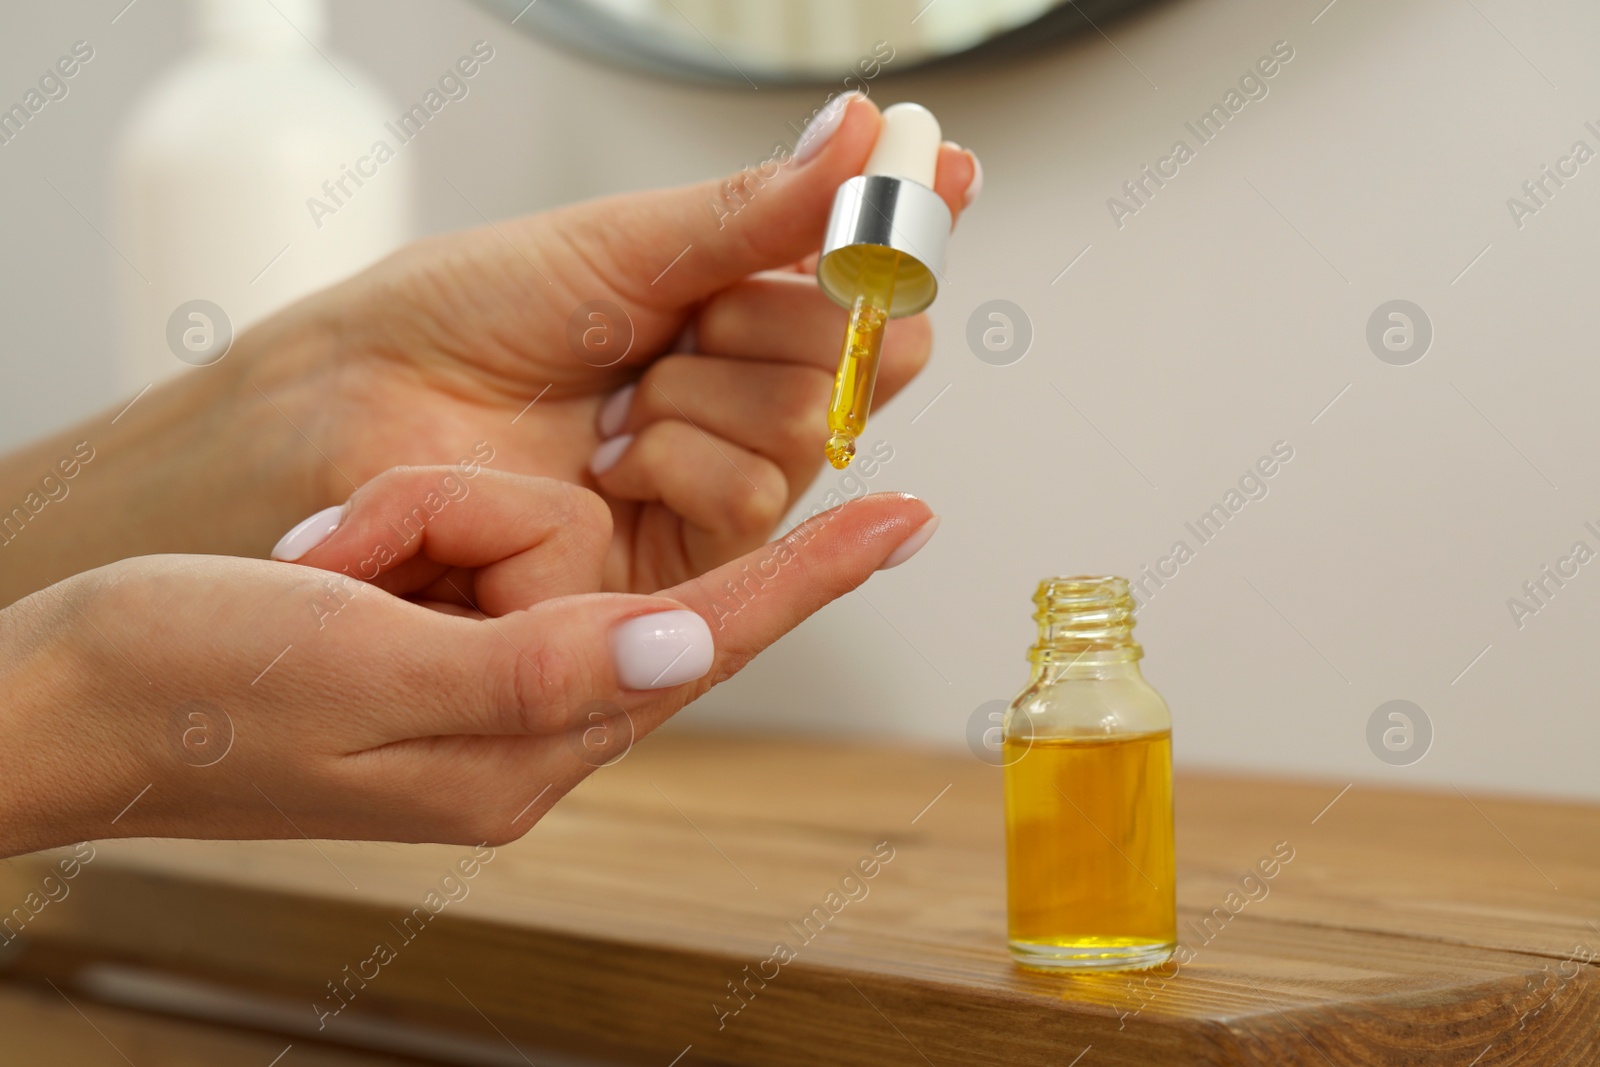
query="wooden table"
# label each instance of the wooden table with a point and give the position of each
(1408, 928)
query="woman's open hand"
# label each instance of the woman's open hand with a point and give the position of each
(437, 666)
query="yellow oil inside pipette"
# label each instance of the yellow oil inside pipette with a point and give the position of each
(863, 343)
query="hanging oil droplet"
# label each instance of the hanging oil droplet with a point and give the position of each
(840, 450)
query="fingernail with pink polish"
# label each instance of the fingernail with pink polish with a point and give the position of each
(821, 127)
(662, 649)
(614, 412)
(911, 545)
(308, 534)
(605, 457)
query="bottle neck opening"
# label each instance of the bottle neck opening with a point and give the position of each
(1085, 625)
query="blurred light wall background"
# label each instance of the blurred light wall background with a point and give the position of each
(1179, 348)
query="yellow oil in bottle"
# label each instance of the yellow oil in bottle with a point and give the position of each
(858, 361)
(1089, 868)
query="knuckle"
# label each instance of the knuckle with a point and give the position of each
(392, 485)
(661, 444)
(546, 682)
(596, 516)
(805, 410)
(655, 385)
(373, 492)
(531, 709)
(585, 514)
(756, 508)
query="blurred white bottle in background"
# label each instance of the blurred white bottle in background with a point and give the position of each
(214, 172)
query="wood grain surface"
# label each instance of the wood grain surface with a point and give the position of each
(43, 1026)
(1407, 928)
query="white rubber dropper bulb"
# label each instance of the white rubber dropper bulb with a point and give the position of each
(908, 145)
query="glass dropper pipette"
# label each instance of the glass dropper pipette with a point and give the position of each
(885, 242)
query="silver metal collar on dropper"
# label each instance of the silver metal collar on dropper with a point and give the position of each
(891, 204)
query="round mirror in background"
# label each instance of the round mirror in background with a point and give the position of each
(796, 42)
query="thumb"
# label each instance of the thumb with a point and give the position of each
(648, 656)
(667, 249)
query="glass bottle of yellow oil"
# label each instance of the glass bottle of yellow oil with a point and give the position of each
(1090, 872)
